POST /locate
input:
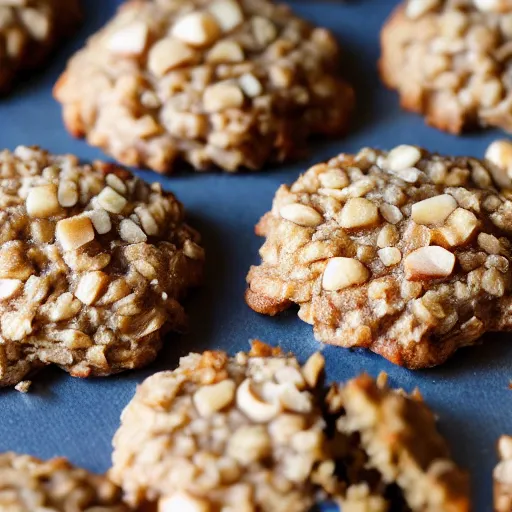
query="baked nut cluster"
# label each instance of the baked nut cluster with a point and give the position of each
(93, 262)
(406, 253)
(29, 31)
(226, 83)
(28, 484)
(257, 432)
(450, 60)
(503, 476)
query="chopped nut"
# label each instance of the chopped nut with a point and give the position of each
(313, 369)
(417, 8)
(301, 214)
(196, 29)
(341, 273)
(403, 157)
(460, 226)
(9, 288)
(264, 30)
(388, 236)
(433, 211)
(111, 201)
(227, 13)
(42, 201)
(147, 221)
(129, 40)
(497, 6)
(67, 194)
(222, 96)
(359, 213)
(500, 154)
(250, 444)
(390, 256)
(74, 232)
(182, 502)
(23, 386)
(253, 406)
(100, 220)
(210, 399)
(226, 51)
(250, 85)
(91, 287)
(493, 282)
(429, 262)
(391, 213)
(489, 243)
(193, 251)
(168, 54)
(36, 22)
(116, 183)
(131, 233)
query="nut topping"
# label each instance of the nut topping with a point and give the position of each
(168, 54)
(196, 29)
(227, 13)
(403, 157)
(74, 232)
(210, 399)
(129, 40)
(222, 96)
(253, 406)
(42, 201)
(433, 211)
(341, 273)
(9, 288)
(110, 200)
(91, 287)
(301, 214)
(431, 262)
(359, 213)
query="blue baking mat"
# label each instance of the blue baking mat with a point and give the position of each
(77, 418)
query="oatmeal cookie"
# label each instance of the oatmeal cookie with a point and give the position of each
(503, 476)
(29, 31)
(28, 484)
(93, 262)
(227, 83)
(406, 253)
(258, 432)
(451, 61)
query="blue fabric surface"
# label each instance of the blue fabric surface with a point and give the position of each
(77, 418)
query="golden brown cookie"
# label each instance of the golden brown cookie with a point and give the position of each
(28, 484)
(406, 253)
(227, 83)
(450, 60)
(29, 31)
(93, 262)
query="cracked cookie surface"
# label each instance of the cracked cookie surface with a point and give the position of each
(259, 432)
(451, 61)
(93, 262)
(29, 31)
(405, 253)
(28, 484)
(503, 476)
(227, 83)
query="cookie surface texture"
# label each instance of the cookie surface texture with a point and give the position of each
(29, 31)
(28, 484)
(93, 262)
(450, 61)
(406, 253)
(226, 83)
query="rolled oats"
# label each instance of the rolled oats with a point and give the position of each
(400, 268)
(450, 60)
(28, 484)
(226, 83)
(82, 285)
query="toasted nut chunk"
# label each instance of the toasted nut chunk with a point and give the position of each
(253, 406)
(222, 96)
(493, 282)
(497, 6)
(489, 243)
(91, 287)
(388, 236)
(500, 154)
(193, 251)
(100, 220)
(210, 399)
(131, 233)
(429, 262)
(196, 29)
(42, 201)
(390, 256)
(433, 211)
(341, 273)
(67, 194)
(250, 85)
(111, 201)
(359, 213)
(403, 157)
(301, 214)
(116, 183)
(182, 502)
(391, 213)
(36, 22)
(461, 224)
(249, 444)
(417, 8)
(313, 368)
(226, 51)
(9, 288)
(227, 13)
(168, 54)
(129, 40)
(263, 29)
(74, 232)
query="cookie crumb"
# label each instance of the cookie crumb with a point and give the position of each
(23, 386)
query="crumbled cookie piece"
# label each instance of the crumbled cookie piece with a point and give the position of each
(398, 460)
(28, 484)
(227, 83)
(406, 253)
(29, 31)
(93, 262)
(451, 60)
(503, 476)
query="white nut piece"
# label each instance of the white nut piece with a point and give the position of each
(403, 157)
(67, 193)
(341, 273)
(9, 288)
(74, 232)
(301, 214)
(358, 213)
(182, 502)
(131, 233)
(417, 8)
(168, 54)
(91, 286)
(116, 183)
(210, 399)
(196, 29)
(129, 40)
(503, 472)
(390, 256)
(253, 406)
(497, 6)
(434, 210)
(459, 228)
(430, 262)
(499, 153)
(101, 220)
(313, 369)
(193, 251)
(222, 96)
(227, 13)
(250, 85)
(226, 51)
(391, 213)
(110, 200)
(36, 21)
(42, 201)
